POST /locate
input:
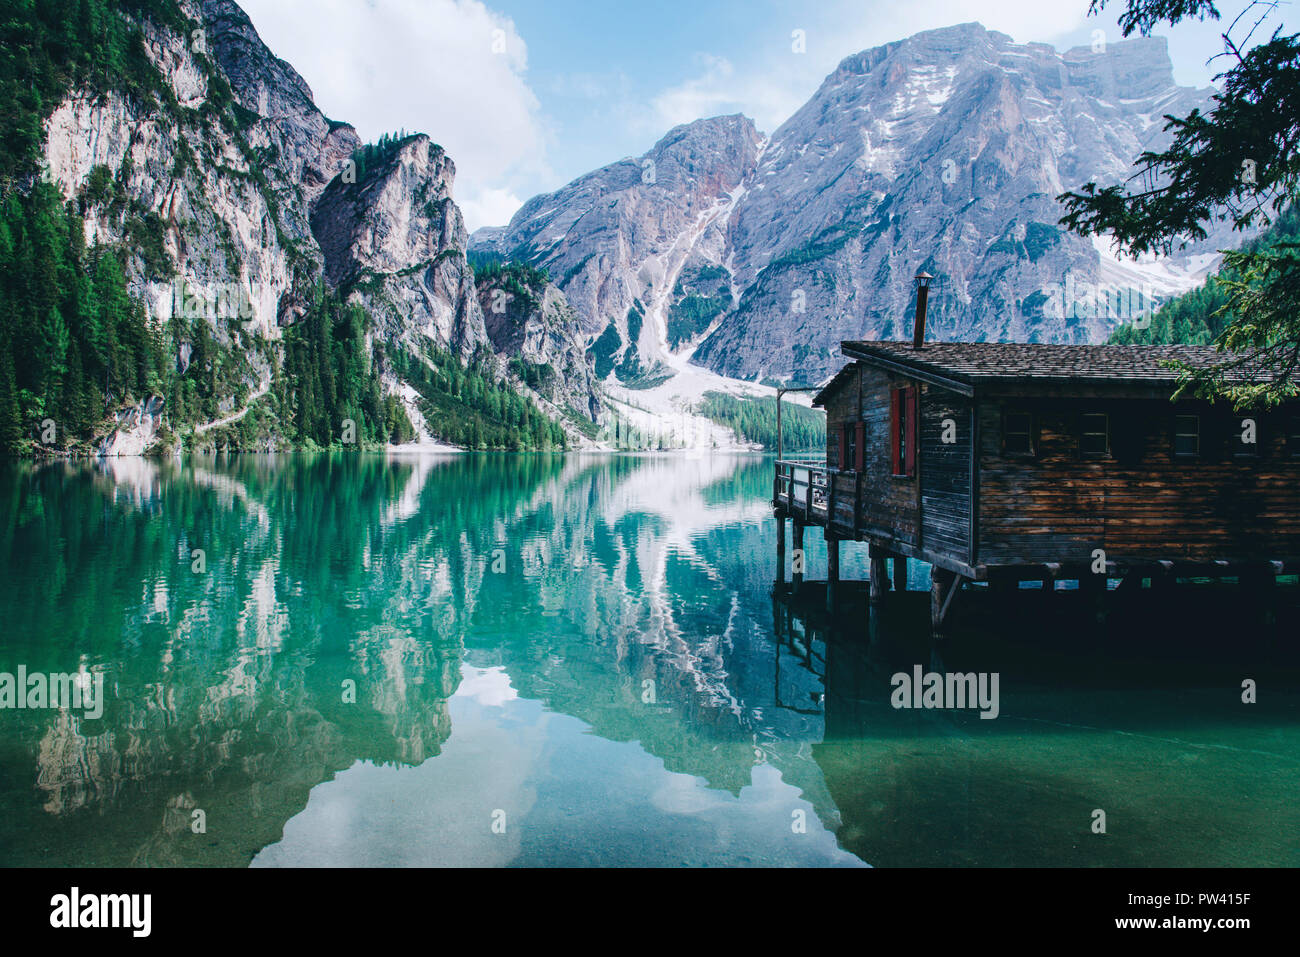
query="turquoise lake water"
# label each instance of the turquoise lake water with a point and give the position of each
(534, 661)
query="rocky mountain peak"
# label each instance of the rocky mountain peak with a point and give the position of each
(394, 213)
(943, 151)
(311, 148)
(394, 239)
(1131, 69)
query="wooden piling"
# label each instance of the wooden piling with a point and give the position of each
(1093, 588)
(900, 574)
(879, 575)
(944, 586)
(832, 571)
(1258, 593)
(800, 557)
(780, 549)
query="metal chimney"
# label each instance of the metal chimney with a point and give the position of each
(922, 296)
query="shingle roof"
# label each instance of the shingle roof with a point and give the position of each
(973, 362)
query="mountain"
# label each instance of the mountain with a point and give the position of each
(943, 152)
(617, 238)
(196, 256)
(1195, 317)
(528, 318)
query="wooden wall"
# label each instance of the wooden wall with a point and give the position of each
(945, 472)
(888, 506)
(841, 406)
(928, 510)
(1141, 503)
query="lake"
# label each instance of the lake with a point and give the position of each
(577, 660)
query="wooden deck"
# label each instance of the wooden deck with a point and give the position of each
(812, 494)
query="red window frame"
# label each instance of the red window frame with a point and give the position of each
(852, 435)
(903, 431)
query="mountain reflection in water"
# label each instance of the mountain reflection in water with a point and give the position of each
(563, 661)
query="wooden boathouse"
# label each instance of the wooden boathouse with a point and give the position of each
(1005, 462)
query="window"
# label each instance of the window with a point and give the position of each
(852, 445)
(1187, 436)
(1293, 436)
(1094, 434)
(1017, 433)
(902, 408)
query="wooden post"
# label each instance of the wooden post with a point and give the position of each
(778, 625)
(832, 570)
(879, 574)
(1051, 571)
(800, 558)
(1132, 581)
(944, 586)
(1092, 584)
(900, 574)
(780, 549)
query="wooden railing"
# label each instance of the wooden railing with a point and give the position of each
(801, 488)
(815, 494)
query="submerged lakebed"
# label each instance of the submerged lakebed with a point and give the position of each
(576, 660)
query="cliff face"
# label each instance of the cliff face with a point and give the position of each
(198, 210)
(615, 239)
(535, 323)
(233, 196)
(942, 152)
(396, 241)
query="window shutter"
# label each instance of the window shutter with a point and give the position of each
(893, 430)
(859, 447)
(912, 431)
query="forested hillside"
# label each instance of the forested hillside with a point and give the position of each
(192, 190)
(1197, 317)
(755, 420)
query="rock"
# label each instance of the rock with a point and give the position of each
(136, 429)
(944, 152)
(234, 214)
(533, 322)
(613, 239)
(395, 242)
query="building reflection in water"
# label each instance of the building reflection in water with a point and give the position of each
(625, 602)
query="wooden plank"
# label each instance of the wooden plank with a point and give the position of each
(832, 571)
(1147, 502)
(944, 586)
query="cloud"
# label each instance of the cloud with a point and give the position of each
(450, 68)
(490, 207)
(767, 97)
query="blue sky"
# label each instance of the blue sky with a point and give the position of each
(526, 95)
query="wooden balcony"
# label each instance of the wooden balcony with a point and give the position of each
(814, 494)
